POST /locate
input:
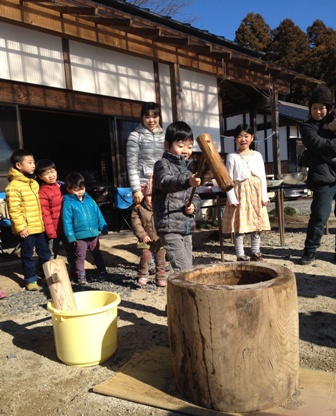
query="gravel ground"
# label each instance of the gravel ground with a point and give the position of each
(25, 302)
(122, 281)
(33, 380)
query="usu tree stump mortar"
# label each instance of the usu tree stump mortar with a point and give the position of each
(234, 335)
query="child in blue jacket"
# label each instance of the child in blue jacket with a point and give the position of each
(82, 221)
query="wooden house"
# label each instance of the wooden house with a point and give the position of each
(75, 73)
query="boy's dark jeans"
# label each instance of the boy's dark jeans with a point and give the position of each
(40, 243)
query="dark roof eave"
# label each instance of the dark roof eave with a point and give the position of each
(182, 27)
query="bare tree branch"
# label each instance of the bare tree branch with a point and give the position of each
(171, 8)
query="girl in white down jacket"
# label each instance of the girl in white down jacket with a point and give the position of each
(144, 148)
(245, 210)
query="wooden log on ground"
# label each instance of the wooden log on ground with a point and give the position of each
(234, 337)
(58, 281)
(216, 163)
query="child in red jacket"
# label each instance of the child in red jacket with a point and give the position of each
(51, 197)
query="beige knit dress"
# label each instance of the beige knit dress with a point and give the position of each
(250, 215)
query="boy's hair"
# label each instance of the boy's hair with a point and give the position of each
(19, 155)
(74, 181)
(151, 106)
(242, 127)
(43, 165)
(178, 131)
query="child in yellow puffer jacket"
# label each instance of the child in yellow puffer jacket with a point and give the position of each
(22, 195)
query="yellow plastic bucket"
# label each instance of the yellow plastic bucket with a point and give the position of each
(87, 336)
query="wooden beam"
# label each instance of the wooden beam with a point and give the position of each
(143, 31)
(258, 66)
(221, 54)
(52, 99)
(82, 11)
(275, 72)
(199, 49)
(172, 40)
(36, 1)
(110, 21)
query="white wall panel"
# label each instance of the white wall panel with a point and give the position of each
(200, 104)
(260, 119)
(233, 121)
(294, 132)
(100, 71)
(30, 56)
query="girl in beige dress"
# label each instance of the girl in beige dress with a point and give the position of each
(245, 210)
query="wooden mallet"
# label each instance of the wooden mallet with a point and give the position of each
(216, 164)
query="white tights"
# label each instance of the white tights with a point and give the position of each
(239, 243)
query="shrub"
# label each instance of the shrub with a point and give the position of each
(290, 211)
(201, 224)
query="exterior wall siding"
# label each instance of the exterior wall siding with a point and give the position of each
(99, 71)
(200, 104)
(29, 56)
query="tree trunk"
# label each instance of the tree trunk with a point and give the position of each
(233, 332)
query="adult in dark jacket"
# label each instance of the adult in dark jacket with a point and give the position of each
(172, 187)
(321, 175)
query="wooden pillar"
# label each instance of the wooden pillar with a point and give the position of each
(176, 92)
(275, 129)
(276, 157)
(157, 84)
(220, 228)
(281, 217)
(67, 65)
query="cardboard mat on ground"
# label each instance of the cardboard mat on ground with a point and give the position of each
(148, 379)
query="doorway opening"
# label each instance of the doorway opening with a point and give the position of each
(75, 143)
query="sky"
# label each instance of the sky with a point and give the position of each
(223, 17)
